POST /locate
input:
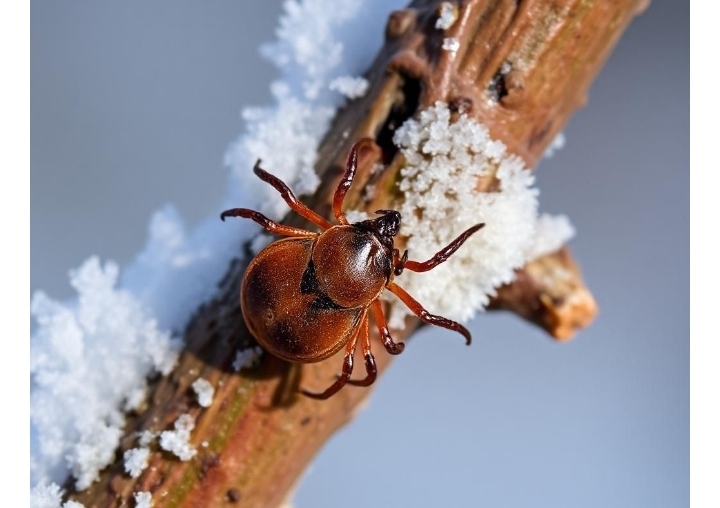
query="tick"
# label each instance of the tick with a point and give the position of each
(305, 297)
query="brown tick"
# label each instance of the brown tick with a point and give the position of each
(306, 296)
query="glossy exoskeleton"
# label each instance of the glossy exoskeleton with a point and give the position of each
(307, 296)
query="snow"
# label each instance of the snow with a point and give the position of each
(45, 495)
(444, 163)
(178, 441)
(316, 45)
(176, 263)
(204, 391)
(357, 216)
(136, 460)
(551, 233)
(88, 363)
(246, 358)
(350, 87)
(451, 44)
(143, 500)
(146, 437)
(448, 16)
(556, 144)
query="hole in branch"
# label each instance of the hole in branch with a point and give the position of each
(498, 87)
(404, 107)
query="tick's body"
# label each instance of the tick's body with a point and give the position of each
(305, 297)
(282, 315)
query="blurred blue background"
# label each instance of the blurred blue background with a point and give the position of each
(133, 106)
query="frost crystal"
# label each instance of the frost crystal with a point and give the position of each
(50, 496)
(350, 87)
(143, 500)
(317, 41)
(246, 358)
(136, 460)
(45, 495)
(310, 52)
(87, 362)
(556, 144)
(175, 263)
(551, 233)
(204, 391)
(178, 441)
(451, 44)
(448, 15)
(444, 163)
(356, 216)
(146, 437)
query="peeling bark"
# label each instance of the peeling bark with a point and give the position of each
(521, 69)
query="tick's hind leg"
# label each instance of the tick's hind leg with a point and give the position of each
(423, 314)
(268, 224)
(370, 365)
(347, 369)
(293, 202)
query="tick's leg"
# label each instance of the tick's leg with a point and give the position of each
(347, 179)
(432, 319)
(394, 348)
(270, 225)
(399, 262)
(370, 365)
(290, 198)
(346, 369)
(442, 255)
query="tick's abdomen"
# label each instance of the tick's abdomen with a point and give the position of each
(284, 308)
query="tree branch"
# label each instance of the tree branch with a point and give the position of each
(521, 69)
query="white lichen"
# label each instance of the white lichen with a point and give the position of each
(350, 87)
(204, 391)
(444, 162)
(178, 441)
(135, 461)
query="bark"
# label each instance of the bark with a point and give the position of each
(522, 68)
